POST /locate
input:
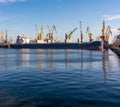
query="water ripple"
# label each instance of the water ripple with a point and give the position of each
(34, 78)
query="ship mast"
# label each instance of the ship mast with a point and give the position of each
(103, 31)
(81, 33)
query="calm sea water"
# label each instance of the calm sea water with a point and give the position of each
(59, 78)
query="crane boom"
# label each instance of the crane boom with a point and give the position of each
(69, 35)
(72, 31)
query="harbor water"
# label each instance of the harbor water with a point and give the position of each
(59, 78)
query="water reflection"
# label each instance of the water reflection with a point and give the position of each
(50, 58)
(23, 57)
(108, 62)
(67, 59)
(90, 59)
(104, 63)
(41, 59)
(68, 56)
(81, 59)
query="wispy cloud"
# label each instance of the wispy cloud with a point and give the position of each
(112, 17)
(10, 1)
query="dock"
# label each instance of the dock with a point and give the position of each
(115, 49)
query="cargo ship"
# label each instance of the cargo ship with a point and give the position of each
(95, 45)
(50, 43)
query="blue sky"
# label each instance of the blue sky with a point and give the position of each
(20, 16)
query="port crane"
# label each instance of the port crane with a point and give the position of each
(41, 33)
(69, 35)
(51, 33)
(89, 34)
(108, 33)
(1, 36)
(53, 29)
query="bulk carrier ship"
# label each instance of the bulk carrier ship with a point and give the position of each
(50, 43)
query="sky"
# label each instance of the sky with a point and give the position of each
(20, 16)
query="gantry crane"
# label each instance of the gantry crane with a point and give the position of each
(89, 34)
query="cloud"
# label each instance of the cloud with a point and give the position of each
(112, 17)
(10, 1)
